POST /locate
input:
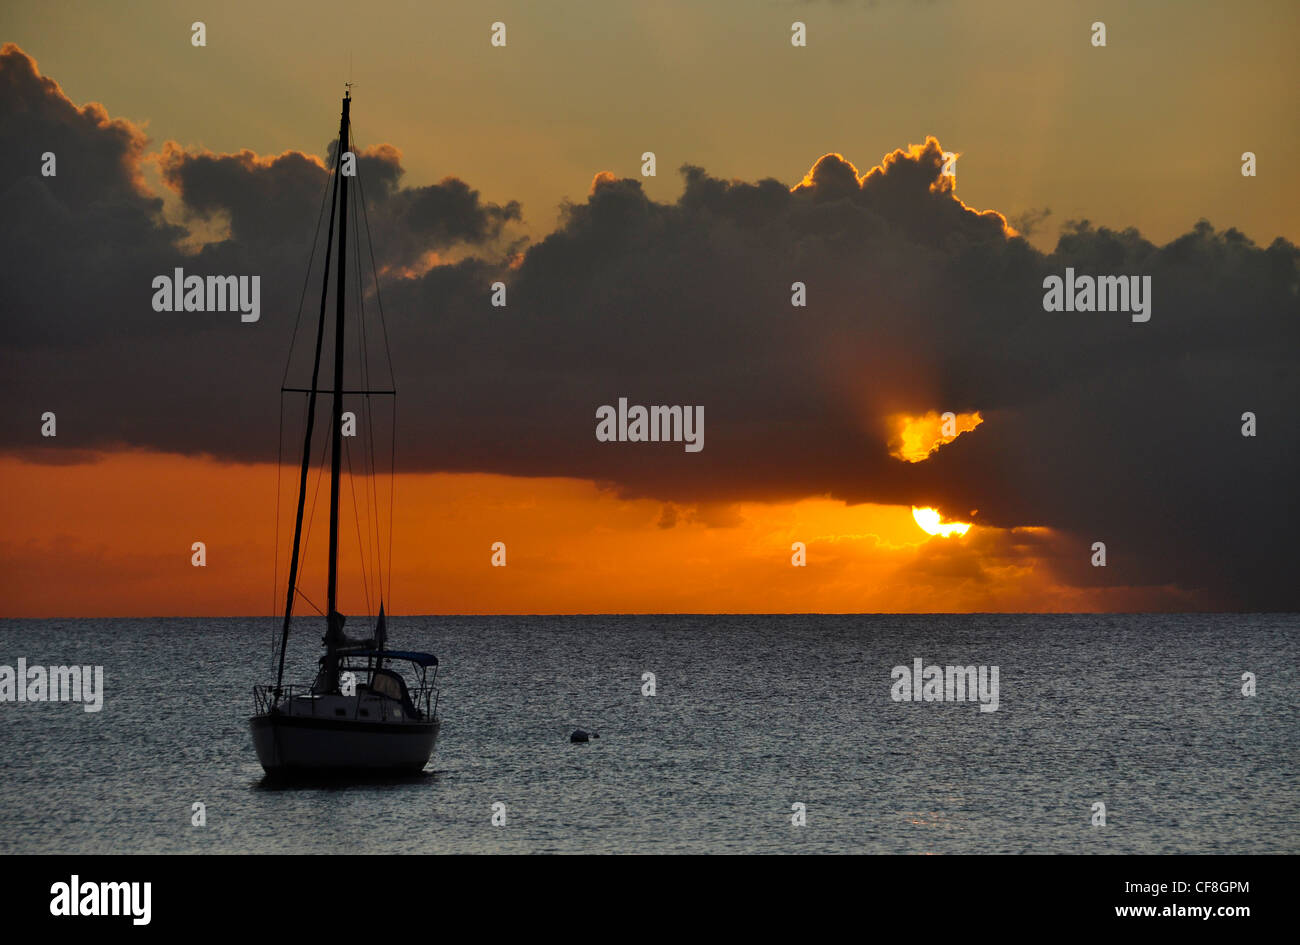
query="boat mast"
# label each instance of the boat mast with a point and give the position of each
(334, 633)
(311, 422)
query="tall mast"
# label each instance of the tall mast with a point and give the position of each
(311, 423)
(334, 632)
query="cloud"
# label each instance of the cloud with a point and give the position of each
(1030, 221)
(1095, 427)
(262, 198)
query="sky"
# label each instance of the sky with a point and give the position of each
(523, 164)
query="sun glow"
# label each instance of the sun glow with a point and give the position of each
(915, 438)
(929, 521)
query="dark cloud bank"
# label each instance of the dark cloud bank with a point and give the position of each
(1094, 426)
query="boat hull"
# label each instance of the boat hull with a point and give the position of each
(288, 744)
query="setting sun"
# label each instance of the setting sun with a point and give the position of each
(929, 521)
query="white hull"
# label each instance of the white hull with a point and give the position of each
(301, 744)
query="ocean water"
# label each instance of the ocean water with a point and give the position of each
(751, 715)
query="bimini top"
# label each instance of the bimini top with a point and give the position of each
(419, 659)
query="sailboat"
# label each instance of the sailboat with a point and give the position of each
(361, 714)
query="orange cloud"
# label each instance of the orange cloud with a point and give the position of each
(601, 179)
(918, 168)
(915, 438)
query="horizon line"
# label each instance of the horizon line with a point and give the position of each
(684, 613)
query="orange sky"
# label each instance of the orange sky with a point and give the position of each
(113, 538)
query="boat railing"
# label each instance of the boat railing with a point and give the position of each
(267, 698)
(425, 699)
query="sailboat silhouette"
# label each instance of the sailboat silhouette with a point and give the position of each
(360, 714)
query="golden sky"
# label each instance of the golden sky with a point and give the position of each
(1042, 119)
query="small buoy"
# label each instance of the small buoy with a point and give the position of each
(580, 736)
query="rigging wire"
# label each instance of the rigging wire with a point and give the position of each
(392, 476)
(279, 448)
(311, 517)
(370, 545)
(392, 384)
(356, 517)
(275, 548)
(306, 537)
(371, 496)
(311, 603)
(306, 280)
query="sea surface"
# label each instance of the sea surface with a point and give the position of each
(751, 715)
